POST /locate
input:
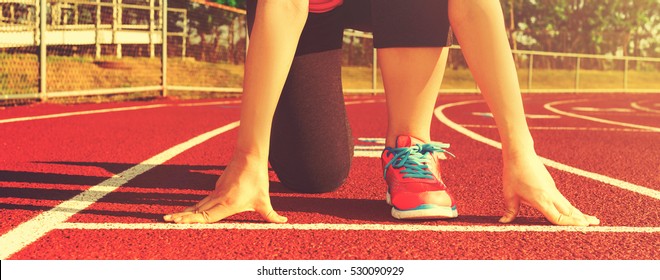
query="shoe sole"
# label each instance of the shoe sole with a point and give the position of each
(423, 212)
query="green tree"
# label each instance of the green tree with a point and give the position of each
(233, 3)
(206, 26)
(628, 27)
(604, 26)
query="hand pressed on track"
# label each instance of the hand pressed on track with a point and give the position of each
(527, 180)
(242, 187)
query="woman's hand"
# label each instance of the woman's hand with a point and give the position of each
(527, 180)
(242, 187)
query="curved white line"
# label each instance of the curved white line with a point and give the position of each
(551, 163)
(110, 110)
(567, 128)
(61, 115)
(642, 108)
(549, 107)
(210, 103)
(153, 106)
(33, 229)
(364, 101)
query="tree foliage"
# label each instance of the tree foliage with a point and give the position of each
(213, 33)
(618, 27)
(233, 3)
(628, 27)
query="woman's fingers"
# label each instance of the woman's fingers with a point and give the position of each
(547, 205)
(271, 216)
(214, 214)
(198, 204)
(512, 204)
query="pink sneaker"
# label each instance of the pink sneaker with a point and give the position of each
(414, 186)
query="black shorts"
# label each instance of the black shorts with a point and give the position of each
(394, 23)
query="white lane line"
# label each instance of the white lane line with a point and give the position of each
(642, 108)
(529, 116)
(209, 103)
(367, 153)
(565, 128)
(111, 110)
(372, 140)
(355, 227)
(60, 115)
(375, 151)
(593, 109)
(364, 101)
(551, 163)
(132, 108)
(539, 116)
(370, 148)
(548, 106)
(33, 229)
(372, 151)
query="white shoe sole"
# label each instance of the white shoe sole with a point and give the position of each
(432, 213)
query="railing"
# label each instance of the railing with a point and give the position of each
(525, 60)
(578, 59)
(101, 47)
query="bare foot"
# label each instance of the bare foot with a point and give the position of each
(527, 180)
(242, 187)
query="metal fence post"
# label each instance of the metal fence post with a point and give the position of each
(625, 74)
(184, 38)
(374, 72)
(163, 14)
(97, 31)
(115, 26)
(577, 74)
(152, 48)
(529, 72)
(43, 81)
(120, 20)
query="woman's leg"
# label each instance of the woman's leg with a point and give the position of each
(412, 78)
(479, 28)
(311, 142)
(410, 36)
(243, 186)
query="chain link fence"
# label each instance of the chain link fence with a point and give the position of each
(208, 52)
(79, 50)
(19, 40)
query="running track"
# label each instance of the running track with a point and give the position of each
(93, 181)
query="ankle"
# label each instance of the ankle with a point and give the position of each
(390, 140)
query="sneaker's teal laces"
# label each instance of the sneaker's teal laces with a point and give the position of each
(414, 160)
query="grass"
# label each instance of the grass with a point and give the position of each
(360, 77)
(19, 74)
(354, 77)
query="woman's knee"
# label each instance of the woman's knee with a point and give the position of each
(319, 178)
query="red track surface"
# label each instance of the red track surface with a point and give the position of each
(45, 162)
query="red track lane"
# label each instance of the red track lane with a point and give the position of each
(47, 161)
(301, 244)
(622, 154)
(607, 108)
(53, 160)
